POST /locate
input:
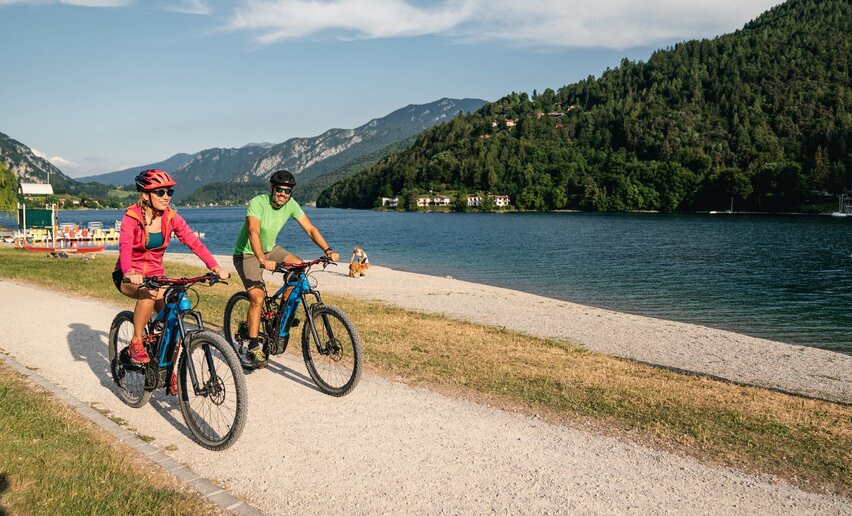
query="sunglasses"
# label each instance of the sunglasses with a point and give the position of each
(283, 189)
(162, 192)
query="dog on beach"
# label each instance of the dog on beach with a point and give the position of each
(358, 263)
(358, 269)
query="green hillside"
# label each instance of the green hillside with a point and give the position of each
(760, 116)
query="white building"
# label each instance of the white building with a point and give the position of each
(441, 200)
(422, 202)
(390, 202)
(501, 201)
(474, 201)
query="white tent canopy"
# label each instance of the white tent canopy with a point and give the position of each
(35, 189)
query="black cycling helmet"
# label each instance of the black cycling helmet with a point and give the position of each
(282, 177)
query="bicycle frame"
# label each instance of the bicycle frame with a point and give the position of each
(298, 296)
(171, 320)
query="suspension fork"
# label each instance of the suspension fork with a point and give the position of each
(199, 389)
(310, 319)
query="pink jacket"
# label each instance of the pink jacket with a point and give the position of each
(132, 254)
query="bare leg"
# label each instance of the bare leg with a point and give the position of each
(256, 295)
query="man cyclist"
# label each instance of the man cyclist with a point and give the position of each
(256, 248)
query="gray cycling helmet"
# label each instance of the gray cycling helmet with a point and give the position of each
(282, 177)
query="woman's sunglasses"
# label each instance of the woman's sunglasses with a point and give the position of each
(283, 189)
(162, 192)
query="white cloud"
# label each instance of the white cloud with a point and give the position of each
(97, 3)
(276, 20)
(189, 7)
(81, 3)
(572, 23)
(57, 161)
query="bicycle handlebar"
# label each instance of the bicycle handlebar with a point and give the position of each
(285, 267)
(152, 282)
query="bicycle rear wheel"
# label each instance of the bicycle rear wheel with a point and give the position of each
(128, 377)
(216, 414)
(335, 360)
(236, 320)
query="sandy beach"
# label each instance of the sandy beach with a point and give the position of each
(391, 448)
(686, 347)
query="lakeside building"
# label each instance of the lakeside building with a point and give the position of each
(500, 201)
(422, 202)
(441, 200)
(390, 202)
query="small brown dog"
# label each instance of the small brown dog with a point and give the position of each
(358, 269)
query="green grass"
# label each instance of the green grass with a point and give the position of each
(53, 461)
(757, 430)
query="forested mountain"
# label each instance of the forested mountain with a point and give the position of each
(126, 176)
(239, 193)
(213, 165)
(26, 166)
(329, 156)
(333, 150)
(760, 115)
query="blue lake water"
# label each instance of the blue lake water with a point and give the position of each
(786, 278)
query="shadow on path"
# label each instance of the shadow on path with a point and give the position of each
(275, 366)
(90, 345)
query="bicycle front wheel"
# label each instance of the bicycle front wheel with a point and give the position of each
(129, 378)
(215, 412)
(334, 359)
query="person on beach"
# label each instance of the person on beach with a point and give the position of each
(359, 256)
(256, 249)
(358, 263)
(145, 234)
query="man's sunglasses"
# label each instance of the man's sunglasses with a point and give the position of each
(162, 191)
(283, 189)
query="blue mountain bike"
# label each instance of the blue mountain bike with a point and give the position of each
(331, 345)
(208, 379)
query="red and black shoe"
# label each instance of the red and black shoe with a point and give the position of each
(138, 353)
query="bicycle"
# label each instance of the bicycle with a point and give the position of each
(208, 381)
(331, 345)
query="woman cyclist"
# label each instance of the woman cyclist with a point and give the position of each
(145, 232)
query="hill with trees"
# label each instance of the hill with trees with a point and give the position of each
(759, 116)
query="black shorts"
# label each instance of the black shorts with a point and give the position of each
(117, 278)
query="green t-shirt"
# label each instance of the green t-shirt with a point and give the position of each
(271, 222)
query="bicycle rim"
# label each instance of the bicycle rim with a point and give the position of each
(236, 320)
(129, 380)
(335, 361)
(217, 415)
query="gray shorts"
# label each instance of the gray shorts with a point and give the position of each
(248, 266)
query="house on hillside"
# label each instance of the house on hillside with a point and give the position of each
(423, 202)
(474, 201)
(440, 200)
(390, 202)
(501, 201)
(510, 123)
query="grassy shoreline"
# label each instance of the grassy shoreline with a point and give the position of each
(54, 461)
(802, 440)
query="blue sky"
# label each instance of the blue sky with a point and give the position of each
(101, 85)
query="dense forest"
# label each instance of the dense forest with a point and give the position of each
(759, 117)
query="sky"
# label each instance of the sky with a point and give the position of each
(102, 85)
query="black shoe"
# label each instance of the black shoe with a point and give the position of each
(255, 357)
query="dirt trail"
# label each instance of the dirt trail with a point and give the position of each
(386, 448)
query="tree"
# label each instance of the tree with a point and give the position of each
(8, 190)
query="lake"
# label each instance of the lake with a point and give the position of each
(786, 278)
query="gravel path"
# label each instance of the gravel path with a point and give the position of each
(387, 448)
